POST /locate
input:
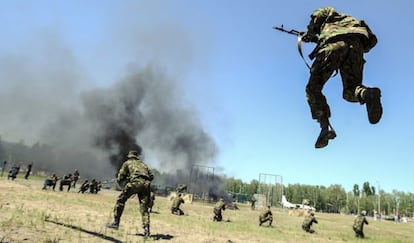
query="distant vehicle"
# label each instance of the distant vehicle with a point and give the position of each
(287, 204)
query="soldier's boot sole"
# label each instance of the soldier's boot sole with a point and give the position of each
(373, 104)
(112, 226)
(324, 137)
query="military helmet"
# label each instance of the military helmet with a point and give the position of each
(312, 213)
(132, 154)
(363, 212)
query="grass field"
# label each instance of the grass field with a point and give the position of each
(29, 214)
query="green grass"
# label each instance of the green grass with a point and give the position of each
(29, 214)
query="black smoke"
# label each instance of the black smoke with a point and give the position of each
(142, 111)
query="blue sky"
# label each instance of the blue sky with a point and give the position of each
(245, 79)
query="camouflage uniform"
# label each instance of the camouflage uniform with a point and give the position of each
(175, 208)
(51, 181)
(220, 205)
(151, 203)
(342, 41)
(76, 176)
(66, 181)
(93, 186)
(29, 170)
(358, 226)
(139, 179)
(84, 187)
(307, 223)
(265, 216)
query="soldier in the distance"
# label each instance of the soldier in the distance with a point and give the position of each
(265, 216)
(358, 226)
(307, 223)
(175, 207)
(218, 208)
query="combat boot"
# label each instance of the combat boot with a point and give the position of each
(113, 225)
(327, 132)
(372, 99)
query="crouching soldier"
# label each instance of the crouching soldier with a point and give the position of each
(265, 216)
(84, 187)
(307, 223)
(50, 182)
(218, 208)
(175, 208)
(66, 181)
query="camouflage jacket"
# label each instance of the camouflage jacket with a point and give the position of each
(327, 24)
(359, 222)
(309, 219)
(133, 170)
(266, 213)
(177, 202)
(220, 205)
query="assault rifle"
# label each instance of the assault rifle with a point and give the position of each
(299, 34)
(292, 31)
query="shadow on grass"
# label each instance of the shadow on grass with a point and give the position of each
(159, 236)
(100, 235)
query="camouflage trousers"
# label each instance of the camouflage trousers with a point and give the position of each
(140, 188)
(358, 232)
(265, 219)
(217, 215)
(307, 228)
(345, 56)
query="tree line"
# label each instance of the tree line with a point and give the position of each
(332, 199)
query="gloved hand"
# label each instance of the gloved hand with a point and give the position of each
(307, 37)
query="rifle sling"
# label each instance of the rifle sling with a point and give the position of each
(300, 50)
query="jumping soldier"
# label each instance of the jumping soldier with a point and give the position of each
(341, 41)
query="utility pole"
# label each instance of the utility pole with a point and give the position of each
(379, 199)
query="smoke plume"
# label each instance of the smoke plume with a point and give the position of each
(66, 112)
(144, 110)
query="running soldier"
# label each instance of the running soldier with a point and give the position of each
(138, 181)
(358, 226)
